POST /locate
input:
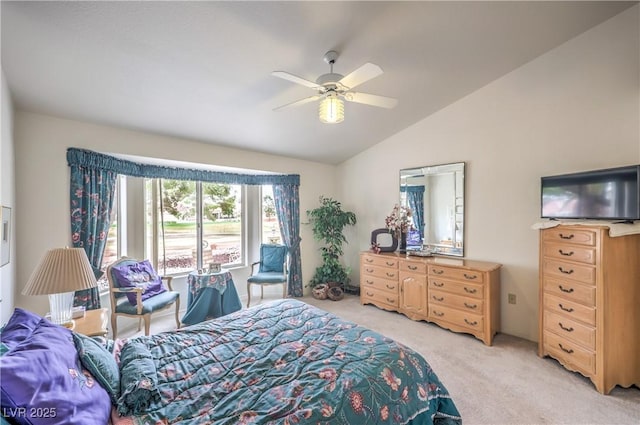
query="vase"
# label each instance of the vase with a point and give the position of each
(402, 245)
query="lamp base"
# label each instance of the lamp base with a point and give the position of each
(60, 305)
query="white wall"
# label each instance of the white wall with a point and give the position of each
(7, 199)
(42, 180)
(574, 108)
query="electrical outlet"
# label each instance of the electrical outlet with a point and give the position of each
(512, 298)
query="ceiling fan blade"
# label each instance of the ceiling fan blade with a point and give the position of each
(365, 73)
(371, 99)
(294, 79)
(298, 102)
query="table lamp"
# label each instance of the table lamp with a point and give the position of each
(61, 272)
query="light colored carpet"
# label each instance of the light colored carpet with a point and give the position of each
(504, 384)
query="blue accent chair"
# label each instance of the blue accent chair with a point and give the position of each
(120, 305)
(272, 270)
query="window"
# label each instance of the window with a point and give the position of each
(191, 224)
(269, 223)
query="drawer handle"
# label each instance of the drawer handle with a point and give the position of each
(566, 254)
(438, 313)
(568, 291)
(410, 267)
(437, 271)
(470, 291)
(369, 294)
(474, 323)
(390, 263)
(438, 284)
(369, 260)
(470, 276)
(565, 329)
(569, 351)
(472, 306)
(565, 271)
(437, 299)
(368, 270)
(369, 282)
(390, 286)
(562, 236)
(390, 274)
(567, 309)
(390, 301)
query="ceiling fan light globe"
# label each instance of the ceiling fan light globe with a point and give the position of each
(331, 110)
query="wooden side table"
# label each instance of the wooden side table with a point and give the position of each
(94, 322)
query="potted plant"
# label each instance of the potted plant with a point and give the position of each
(328, 222)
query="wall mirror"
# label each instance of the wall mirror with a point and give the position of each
(435, 195)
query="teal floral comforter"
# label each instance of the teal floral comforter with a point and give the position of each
(284, 362)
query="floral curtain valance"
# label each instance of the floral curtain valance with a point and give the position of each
(96, 160)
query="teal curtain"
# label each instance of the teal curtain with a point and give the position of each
(287, 201)
(92, 194)
(96, 160)
(415, 198)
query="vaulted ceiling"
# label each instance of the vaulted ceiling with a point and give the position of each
(202, 70)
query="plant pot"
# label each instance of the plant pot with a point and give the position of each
(319, 292)
(335, 294)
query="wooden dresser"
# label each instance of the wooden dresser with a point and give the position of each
(590, 303)
(457, 294)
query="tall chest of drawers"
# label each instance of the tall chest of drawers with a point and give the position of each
(457, 294)
(590, 303)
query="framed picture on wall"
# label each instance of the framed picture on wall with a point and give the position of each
(5, 236)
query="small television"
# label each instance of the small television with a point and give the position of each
(608, 194)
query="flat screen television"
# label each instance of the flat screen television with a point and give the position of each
(608, 194)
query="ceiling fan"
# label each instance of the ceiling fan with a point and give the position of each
(332, 88)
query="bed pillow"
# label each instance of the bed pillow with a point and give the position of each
(19, 327)
(43, 381)
(138, 386)
(100, 362)
(135, 275)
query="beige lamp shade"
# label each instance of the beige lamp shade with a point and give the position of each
(61, 270)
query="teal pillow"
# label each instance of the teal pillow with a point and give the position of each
(100, 362)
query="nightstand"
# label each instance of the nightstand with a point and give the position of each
(94, 322)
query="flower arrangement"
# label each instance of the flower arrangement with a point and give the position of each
(399, 221)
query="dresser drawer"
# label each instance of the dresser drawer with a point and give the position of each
(413, 267)
(379, 283)
(569, 354)
(567, 270)
(465, 319)
(570, 236)
(570, 329)
(571, 291)
(377, 271)
(459, 274)
(380, 297)
(582, 254)
(446, 299)
(375, 260)
(570, 309)
(460, 288)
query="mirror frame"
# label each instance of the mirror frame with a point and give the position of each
(457, 222)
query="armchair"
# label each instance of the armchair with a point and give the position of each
(272, 270)
(136, 290)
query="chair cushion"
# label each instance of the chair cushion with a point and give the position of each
(268, 277)
(272, 258)
(149, 305)
(136, 274)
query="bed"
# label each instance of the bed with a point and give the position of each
(284, 362)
